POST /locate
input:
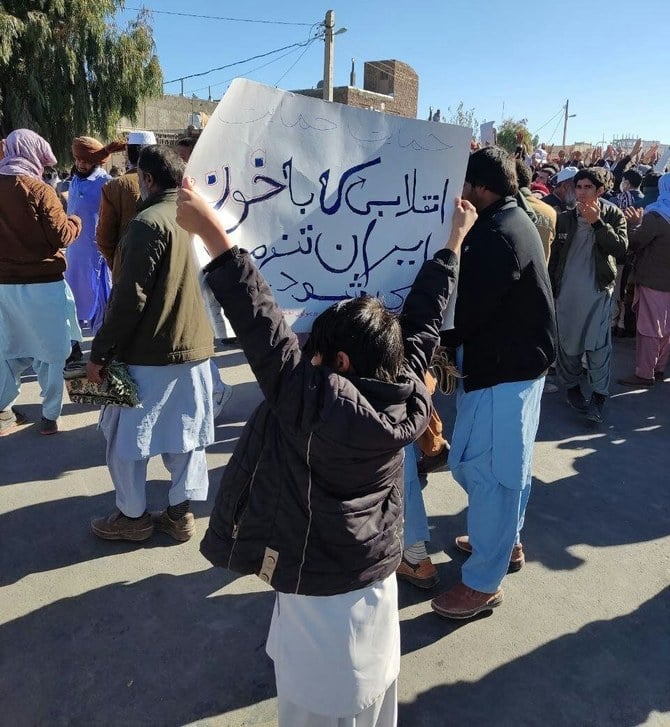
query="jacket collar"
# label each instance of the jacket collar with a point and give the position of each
(502, 203)
(167, 195)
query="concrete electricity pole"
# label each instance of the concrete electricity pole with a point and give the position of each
(328, 56)
(565, 120)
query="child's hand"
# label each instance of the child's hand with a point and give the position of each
(462, 220)
(198, 218)
(193, 212)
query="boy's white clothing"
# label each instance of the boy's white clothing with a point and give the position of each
(336, 655)
(382, 713)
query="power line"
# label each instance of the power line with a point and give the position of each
(249, 72)
(294, 64)
(239, 63)
(218, 17)
(553, 134)
(560, 111)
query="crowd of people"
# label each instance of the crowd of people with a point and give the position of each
(321, 499)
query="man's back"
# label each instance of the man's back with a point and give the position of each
(546, 222)
(156, 314)
(504, 309)
(118, 205)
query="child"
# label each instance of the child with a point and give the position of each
(311, 500)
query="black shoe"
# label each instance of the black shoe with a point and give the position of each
(76, 354)
(576, 399)
(48, 426)
(596, 406)
(659, 376)
(431, 463)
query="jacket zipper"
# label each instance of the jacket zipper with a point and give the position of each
(309, 508)
(236, 523)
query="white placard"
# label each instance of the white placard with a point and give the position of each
(663, 161)
(487, 134)
(332, 201)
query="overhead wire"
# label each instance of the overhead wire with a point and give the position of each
(546, 123)
(295, 63)
(241, 62)
(218, 17)
(249, 72)
(553, 134)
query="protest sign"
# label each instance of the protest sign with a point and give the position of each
(663, 161)
(487, 134)
(332, 201)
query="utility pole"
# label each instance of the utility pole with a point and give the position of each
(328, 56)
(565, 120)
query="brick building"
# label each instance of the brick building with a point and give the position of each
(390, 86)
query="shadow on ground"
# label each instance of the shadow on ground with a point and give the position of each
(160, 651)
(608, 674)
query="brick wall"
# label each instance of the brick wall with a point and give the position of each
(395, 79)
(390, 86)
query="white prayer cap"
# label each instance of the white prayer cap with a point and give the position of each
(141, 138)
(565, 174)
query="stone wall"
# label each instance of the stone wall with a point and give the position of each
(168, 114)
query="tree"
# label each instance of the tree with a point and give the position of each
(460, 117)
(67, 69)
(463, 117)
(513, 133)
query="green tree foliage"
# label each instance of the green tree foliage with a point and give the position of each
(67, 69)
(513, 133)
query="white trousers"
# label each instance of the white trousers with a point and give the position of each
(382, 713)
(188, 473)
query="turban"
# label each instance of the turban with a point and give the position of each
(92, 151)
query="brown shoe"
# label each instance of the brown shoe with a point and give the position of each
(421, 575)
(119, 527)
(516, 561)
(182, 529)
(462, 602)
(636, 380)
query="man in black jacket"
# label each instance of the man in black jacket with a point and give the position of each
(311, 500)
(505, 331)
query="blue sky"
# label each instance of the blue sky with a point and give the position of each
(529, 56)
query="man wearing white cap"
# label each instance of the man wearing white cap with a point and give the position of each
(562, 196)
(118, 204)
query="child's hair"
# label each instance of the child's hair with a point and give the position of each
(366, 331)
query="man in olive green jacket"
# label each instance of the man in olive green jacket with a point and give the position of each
(582, 268)
(157, 325)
